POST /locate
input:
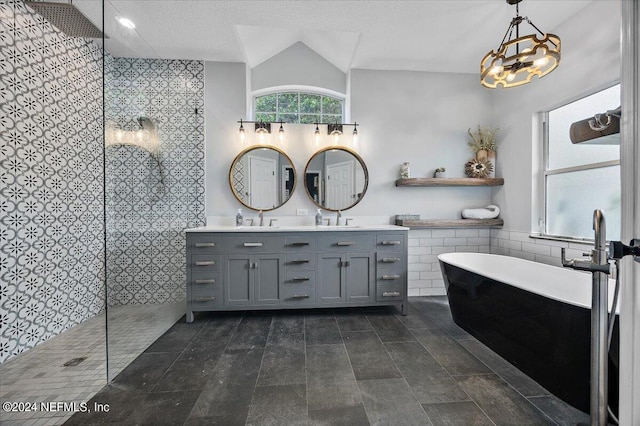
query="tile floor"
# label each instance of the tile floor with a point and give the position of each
(325, 367)
(39, 375)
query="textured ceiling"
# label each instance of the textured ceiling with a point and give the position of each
(428, 35)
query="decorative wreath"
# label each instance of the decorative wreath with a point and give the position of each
(478, 168)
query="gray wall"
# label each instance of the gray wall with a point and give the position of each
(298, 65)
(51, 216)
(151, 201)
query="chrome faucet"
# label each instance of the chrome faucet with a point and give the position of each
(271, 221)
(338, 216)
(346, 221)
(261, 216)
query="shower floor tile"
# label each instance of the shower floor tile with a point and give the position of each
(39, 375)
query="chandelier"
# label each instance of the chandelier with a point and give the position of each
(519, 59)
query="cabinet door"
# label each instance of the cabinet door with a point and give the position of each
(268, 277)
(360, 282)
(331, 285)
(238, 279)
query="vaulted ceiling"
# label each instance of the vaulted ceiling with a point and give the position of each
(428, 35)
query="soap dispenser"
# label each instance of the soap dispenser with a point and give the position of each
(319, 218)
(239, 218)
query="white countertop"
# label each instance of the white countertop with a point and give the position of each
(302, 228)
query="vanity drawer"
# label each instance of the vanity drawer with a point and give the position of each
(389, 291)
(253, 243)
(206, 295)
(346, 241)
(203, 242)
(296, 291)
(300, 243)
(390, 242)
(296, 278)
(301, 261)
(205, 277)
(204, 262)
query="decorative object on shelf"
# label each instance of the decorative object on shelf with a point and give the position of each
(440, 173)
(489, 212)
(483, 143)
(478, 168)
(401, 217)
(405, 170)
(517, 60)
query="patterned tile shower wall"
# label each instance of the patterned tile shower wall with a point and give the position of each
(51, 193)
(151, 199)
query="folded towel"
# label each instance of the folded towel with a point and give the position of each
(489, 212)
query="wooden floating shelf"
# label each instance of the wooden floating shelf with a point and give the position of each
(449, 223)
(450, 182)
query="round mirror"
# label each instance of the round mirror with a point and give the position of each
(262, 178)
(336, 178)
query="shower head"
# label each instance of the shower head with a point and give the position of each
(66, 18)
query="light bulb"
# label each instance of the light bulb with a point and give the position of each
(316, 135)
(355, 138)
(335, 135)
(496, 69)
(511, 76)
(281, 133)
(525, 57)
(541, 62)
(241, 132)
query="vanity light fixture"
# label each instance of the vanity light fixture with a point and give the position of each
(281, 133)
(335, 131)
(262, 130)
(518, 59)
(355, 138)
(316, 135)
(241, 132)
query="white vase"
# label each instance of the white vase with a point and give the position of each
(491, 157)
(440, 174)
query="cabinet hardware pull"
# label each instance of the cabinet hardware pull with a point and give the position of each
(300, 261)
(205, 244)
(390, 259)
(391, 243)
(204, 299)
(346, 243)
(390, 277)
(300, 296)
(207, 263)
(205, 281)
(252, 244)
(345, 264)
(299, 243)
(253, 265)
(390, 294)
(300, 279)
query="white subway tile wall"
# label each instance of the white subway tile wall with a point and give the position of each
(425, 277)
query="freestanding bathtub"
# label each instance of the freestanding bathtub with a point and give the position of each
(535, 316)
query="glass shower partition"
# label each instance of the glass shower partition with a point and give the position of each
(154, 171)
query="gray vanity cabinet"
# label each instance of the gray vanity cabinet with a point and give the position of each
(346, 277)
(281, 270)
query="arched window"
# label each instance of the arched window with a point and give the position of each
(299, 107)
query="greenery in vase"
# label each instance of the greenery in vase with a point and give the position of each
(441, 170)
(483, 138)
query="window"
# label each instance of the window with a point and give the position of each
(580, 178)
(299, 107)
